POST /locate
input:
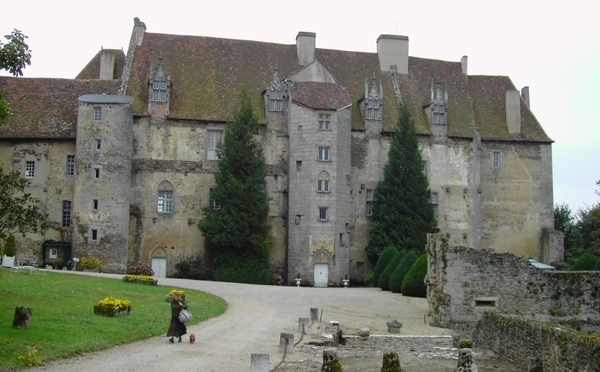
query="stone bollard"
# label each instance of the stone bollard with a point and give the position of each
(314, 314)
(303, 325)
(364, 333)
(391, 362)
(259, 363)
(465, 361)
(22, 316)
(286, 343)
(330, 361)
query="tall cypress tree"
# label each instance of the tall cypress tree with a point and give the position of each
(239, 229)
(402, 210)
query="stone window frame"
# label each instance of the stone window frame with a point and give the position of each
(324, 182)
(29, 169)
(342, 241)
(373, 108)
(424, 168)
(94, 235)
(213, 138)
(435, 204)
(370, 198)
(324, 153)
(324, 121)
(165, 197)
(275, 97)
(98, 146)
(496, 159)
(438, 113)
(96, 172)
(97, 114)
(67, 209)
(70, 165)
(95, 205)
(323, 214)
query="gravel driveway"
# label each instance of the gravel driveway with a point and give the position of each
(253, 323)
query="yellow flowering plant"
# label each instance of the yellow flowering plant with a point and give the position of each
(180, 291)
(114, 302)
(140, 277)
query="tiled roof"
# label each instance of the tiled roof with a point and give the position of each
(208, 73)
(320, 96)
(47, 108)
(92, 69)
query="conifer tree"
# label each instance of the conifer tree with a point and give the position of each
(239, 229)
(402, 210)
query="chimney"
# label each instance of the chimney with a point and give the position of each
(139, 29)
(464, 61)
(107, 64)
(305, 45)
(393, 50)
(513, 111)
(525, 95)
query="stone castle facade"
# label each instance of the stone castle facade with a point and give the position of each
(122, 157)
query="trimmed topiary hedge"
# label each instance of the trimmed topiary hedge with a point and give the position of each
(585, 262)
(413, 284)
(230, 267)
(384, 278)
(384, 259)
(10, 246)
(400, 272)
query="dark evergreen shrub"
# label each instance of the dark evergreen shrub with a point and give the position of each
(384, 278)
(597, 267)
(237, 268)
(413, 284)
(400, 271)
(585, 262)
(384, 259)
(194, 266)
(10, 246)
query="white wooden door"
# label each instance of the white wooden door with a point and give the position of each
(321, 275)
(159, 265)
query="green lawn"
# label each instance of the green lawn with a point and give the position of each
(63, 322)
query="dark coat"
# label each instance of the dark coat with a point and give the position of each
(176, 328)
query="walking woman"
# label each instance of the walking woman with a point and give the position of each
(176, 328)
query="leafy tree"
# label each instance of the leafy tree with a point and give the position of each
(413, 284)
(384, 259)
(239, 228)
(15, 55)
(401, 271)
(565, 221)
(384, 278)
(585, 262)
(18, 210)
(402, 210)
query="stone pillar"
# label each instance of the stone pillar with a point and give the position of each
(303, 325)
(286, 343)
(314, 314)
(259, 363)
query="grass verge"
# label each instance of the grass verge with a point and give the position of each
(63, 322)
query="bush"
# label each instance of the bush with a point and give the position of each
(413, 284)
(384, 259)
(368, 278)
(597, 267)
(237, 268)
(140, 269)
(585, 262)
(401, 270)
(384, 279)
(10, 246)
(194, 266)
(90, 262)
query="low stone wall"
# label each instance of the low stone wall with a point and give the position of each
(529, 344)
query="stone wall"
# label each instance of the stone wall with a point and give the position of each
(463, 283)
(530, 344)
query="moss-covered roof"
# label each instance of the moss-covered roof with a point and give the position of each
(207, 73)
(320, 96)
(47, 108)
(92, 69)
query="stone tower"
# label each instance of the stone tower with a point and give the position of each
(103, 175)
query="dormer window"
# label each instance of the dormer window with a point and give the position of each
(439, 106)
(373, 104)
(275, 100)
(276, 94)
(160, 84)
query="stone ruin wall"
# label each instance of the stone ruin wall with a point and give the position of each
(463, 283)
(537, 346)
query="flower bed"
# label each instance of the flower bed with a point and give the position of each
(140, 279)
(111, 306)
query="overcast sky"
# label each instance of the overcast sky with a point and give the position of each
(552, 47)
